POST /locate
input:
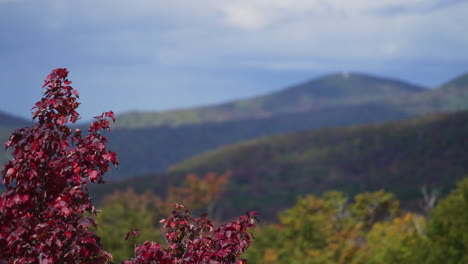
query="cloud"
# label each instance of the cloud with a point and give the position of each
(357, 29)
(244, 17)
(146, 39)
(258, 14)
(208, 31)
(294, 65)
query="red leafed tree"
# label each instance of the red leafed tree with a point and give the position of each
(194, 240)
(41, 210)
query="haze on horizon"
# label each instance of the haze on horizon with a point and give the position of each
(158, 55)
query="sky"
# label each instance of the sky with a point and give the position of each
(157, 55)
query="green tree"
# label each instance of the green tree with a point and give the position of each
(309, 232)
(268, 239)
(370, 207)
(395, 241)
(447, 228)
(123, 212)
(325, 230)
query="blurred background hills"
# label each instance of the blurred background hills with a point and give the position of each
(349, 131)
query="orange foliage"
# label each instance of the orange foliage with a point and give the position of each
(198, 192)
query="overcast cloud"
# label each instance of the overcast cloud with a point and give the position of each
(157, 55)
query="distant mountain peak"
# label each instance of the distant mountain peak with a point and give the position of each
(346, 85)
(346, 75)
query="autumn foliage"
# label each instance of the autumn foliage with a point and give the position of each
(194, 240)
(199, 192)
(127, 210)
(42, 210)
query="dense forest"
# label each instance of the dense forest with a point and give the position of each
(156, 149)
(268, 173)
(372, 227)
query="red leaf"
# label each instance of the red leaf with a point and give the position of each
(93, 175)
(111, 115)
(134, 233)
(45, 261)
(110, 156)
(10, 172)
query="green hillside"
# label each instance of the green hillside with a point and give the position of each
(329, 91)
(400, 157)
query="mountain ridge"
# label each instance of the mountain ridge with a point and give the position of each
(12, 121)
(169, 145)
(149, 149)
(458, 81)
(322, 92)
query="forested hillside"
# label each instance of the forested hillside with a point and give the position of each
(268, 173)
(331, 101)
(148, 150)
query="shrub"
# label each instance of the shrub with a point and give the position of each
(194, 240)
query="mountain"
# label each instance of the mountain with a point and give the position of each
(339, 100)
(400, 157)
(329, 91)
(333, 90)
(153, 141)
(10, 121)
(146, 150)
